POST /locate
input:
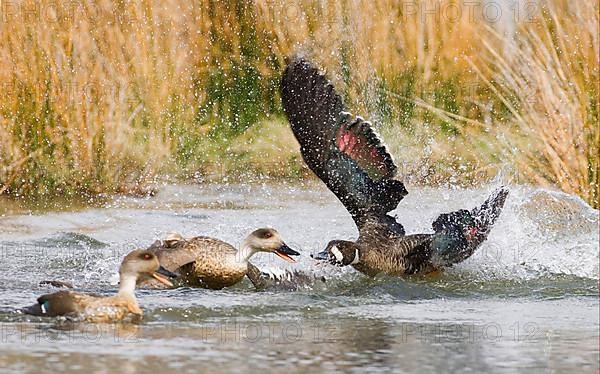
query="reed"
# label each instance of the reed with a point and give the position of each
(102, 97)
(548, 79)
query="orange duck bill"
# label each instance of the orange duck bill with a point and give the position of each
(285, 252)
(163, 274)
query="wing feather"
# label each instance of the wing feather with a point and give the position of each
(344, 151)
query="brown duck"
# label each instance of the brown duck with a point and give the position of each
(212, 263)
(349, 157)
(137, 265)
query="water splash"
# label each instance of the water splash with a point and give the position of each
(540, 233)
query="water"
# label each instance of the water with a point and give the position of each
(527, 300)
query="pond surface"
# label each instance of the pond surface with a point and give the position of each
(526, 301)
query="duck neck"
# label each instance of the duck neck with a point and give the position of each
(244, 253)
(127, 285)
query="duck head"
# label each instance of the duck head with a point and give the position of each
(269, 240)
(340, 252)
(141, 264)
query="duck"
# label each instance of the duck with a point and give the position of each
(211, 263)
(139, 264)
(347, 154)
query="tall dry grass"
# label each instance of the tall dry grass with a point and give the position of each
(548, 79)
(104, 96)
(89, 93)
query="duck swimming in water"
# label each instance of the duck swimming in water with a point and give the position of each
(349, 157)
(139, 264)
(211, 263)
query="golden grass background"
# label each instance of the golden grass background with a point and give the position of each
(103, 96)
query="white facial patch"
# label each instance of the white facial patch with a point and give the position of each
(338, 255)
(43, 309)
(356, 258)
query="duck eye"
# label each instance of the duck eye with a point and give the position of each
(267, 235)
(147, 256)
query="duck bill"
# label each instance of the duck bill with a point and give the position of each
(285, 252)
(161, 275)
(323, 255)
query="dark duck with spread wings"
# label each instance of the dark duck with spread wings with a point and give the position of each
(346, 153)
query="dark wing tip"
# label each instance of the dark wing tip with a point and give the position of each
(312, 106)
(293, 65)
(298, 60)
(483, 216)
(489, 211)
(299, 78)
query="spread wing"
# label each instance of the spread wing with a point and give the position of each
(342, 150)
